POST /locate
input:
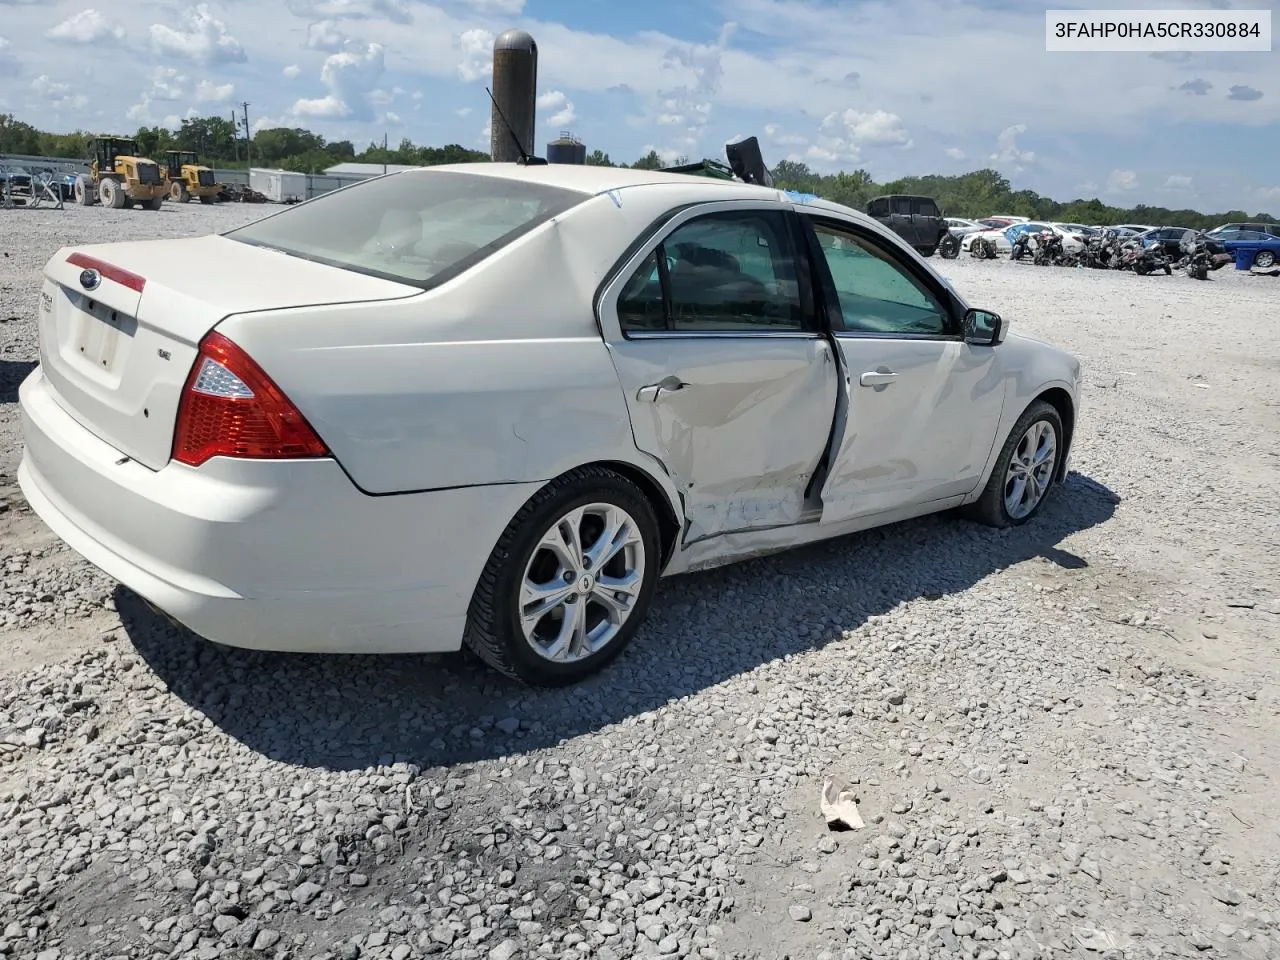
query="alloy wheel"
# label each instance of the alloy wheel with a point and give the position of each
(582, 582)
(1030, 469)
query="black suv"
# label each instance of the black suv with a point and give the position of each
(916, 220)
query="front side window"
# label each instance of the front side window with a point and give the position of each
(876, 294)
(419, 227)
(720, 273)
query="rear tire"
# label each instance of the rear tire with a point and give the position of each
(178, 192)
(206, 199)
(84, 191)
(949, 248)
(504, 627)
(1022, 459)
(1264, 259)
(154, 203)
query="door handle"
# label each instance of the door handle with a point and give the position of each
(877, 378)
(653, 392)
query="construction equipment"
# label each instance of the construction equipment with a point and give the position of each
(186, 177)
(119, 176)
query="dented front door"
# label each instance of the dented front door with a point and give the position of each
(726, 381)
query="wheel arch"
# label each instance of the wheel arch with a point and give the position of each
(1060, 400)
(664, 508)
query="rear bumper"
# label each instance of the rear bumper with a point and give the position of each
(269, 555)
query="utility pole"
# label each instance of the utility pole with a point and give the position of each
(248, 138)
(235, 135)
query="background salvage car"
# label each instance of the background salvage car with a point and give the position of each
(490, 404)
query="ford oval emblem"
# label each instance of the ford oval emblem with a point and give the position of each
(89, 279)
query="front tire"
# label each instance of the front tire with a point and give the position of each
(1023, 473)
(569, 581)
(112, 194)
(949, 247)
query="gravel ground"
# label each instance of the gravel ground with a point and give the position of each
(1059, 735)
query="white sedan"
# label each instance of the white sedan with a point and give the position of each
(490, 404)
(1003, 237)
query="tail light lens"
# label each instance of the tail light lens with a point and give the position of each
(231, 408)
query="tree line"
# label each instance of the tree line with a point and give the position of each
(978, 193)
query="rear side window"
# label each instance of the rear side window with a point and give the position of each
(878, 208)
(924, 207)
(416, 227)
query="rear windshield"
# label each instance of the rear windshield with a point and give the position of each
(416, 227)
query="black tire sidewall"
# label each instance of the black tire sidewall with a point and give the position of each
(1037, 411)
(528, 664)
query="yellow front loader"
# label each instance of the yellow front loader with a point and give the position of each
(119, 177)
(186, 177)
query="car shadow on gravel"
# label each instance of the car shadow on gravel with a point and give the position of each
(353, 712)
(12, 373)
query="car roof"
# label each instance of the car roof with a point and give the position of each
(592, 180)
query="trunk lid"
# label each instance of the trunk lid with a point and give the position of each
(117, 352)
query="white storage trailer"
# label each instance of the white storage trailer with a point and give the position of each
(279, 185)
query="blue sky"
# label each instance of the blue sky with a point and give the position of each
(897, 87)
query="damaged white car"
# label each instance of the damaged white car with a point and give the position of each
(491, 404)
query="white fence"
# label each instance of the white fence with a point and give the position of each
(316, 183)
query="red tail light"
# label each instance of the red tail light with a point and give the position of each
(231, 408)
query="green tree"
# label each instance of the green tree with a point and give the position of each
(650, 161)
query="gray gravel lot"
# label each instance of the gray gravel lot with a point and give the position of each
(1062, 736)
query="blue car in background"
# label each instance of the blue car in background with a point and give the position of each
(1265, 246)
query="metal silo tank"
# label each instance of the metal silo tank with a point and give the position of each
(566, 149)
(515, 92)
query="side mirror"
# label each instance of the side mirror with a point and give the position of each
(983, 328)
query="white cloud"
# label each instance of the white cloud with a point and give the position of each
(57, 94)
(87, 26)
(1177, 181)
(776, 135)
(555, 100)
(8, 63)
(167, 86)
(1269, 194)
(509, 8)
(1009, 153)
(208, 92)
(392, 119)
(291, 72)
(397, 11)
(668, 155)
(688, 105)
(350, 77)
(477, 55)
(325, 35)
(463, 111)
(1122, 180)
(877, 128)
(955, 153)
(204, 40)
